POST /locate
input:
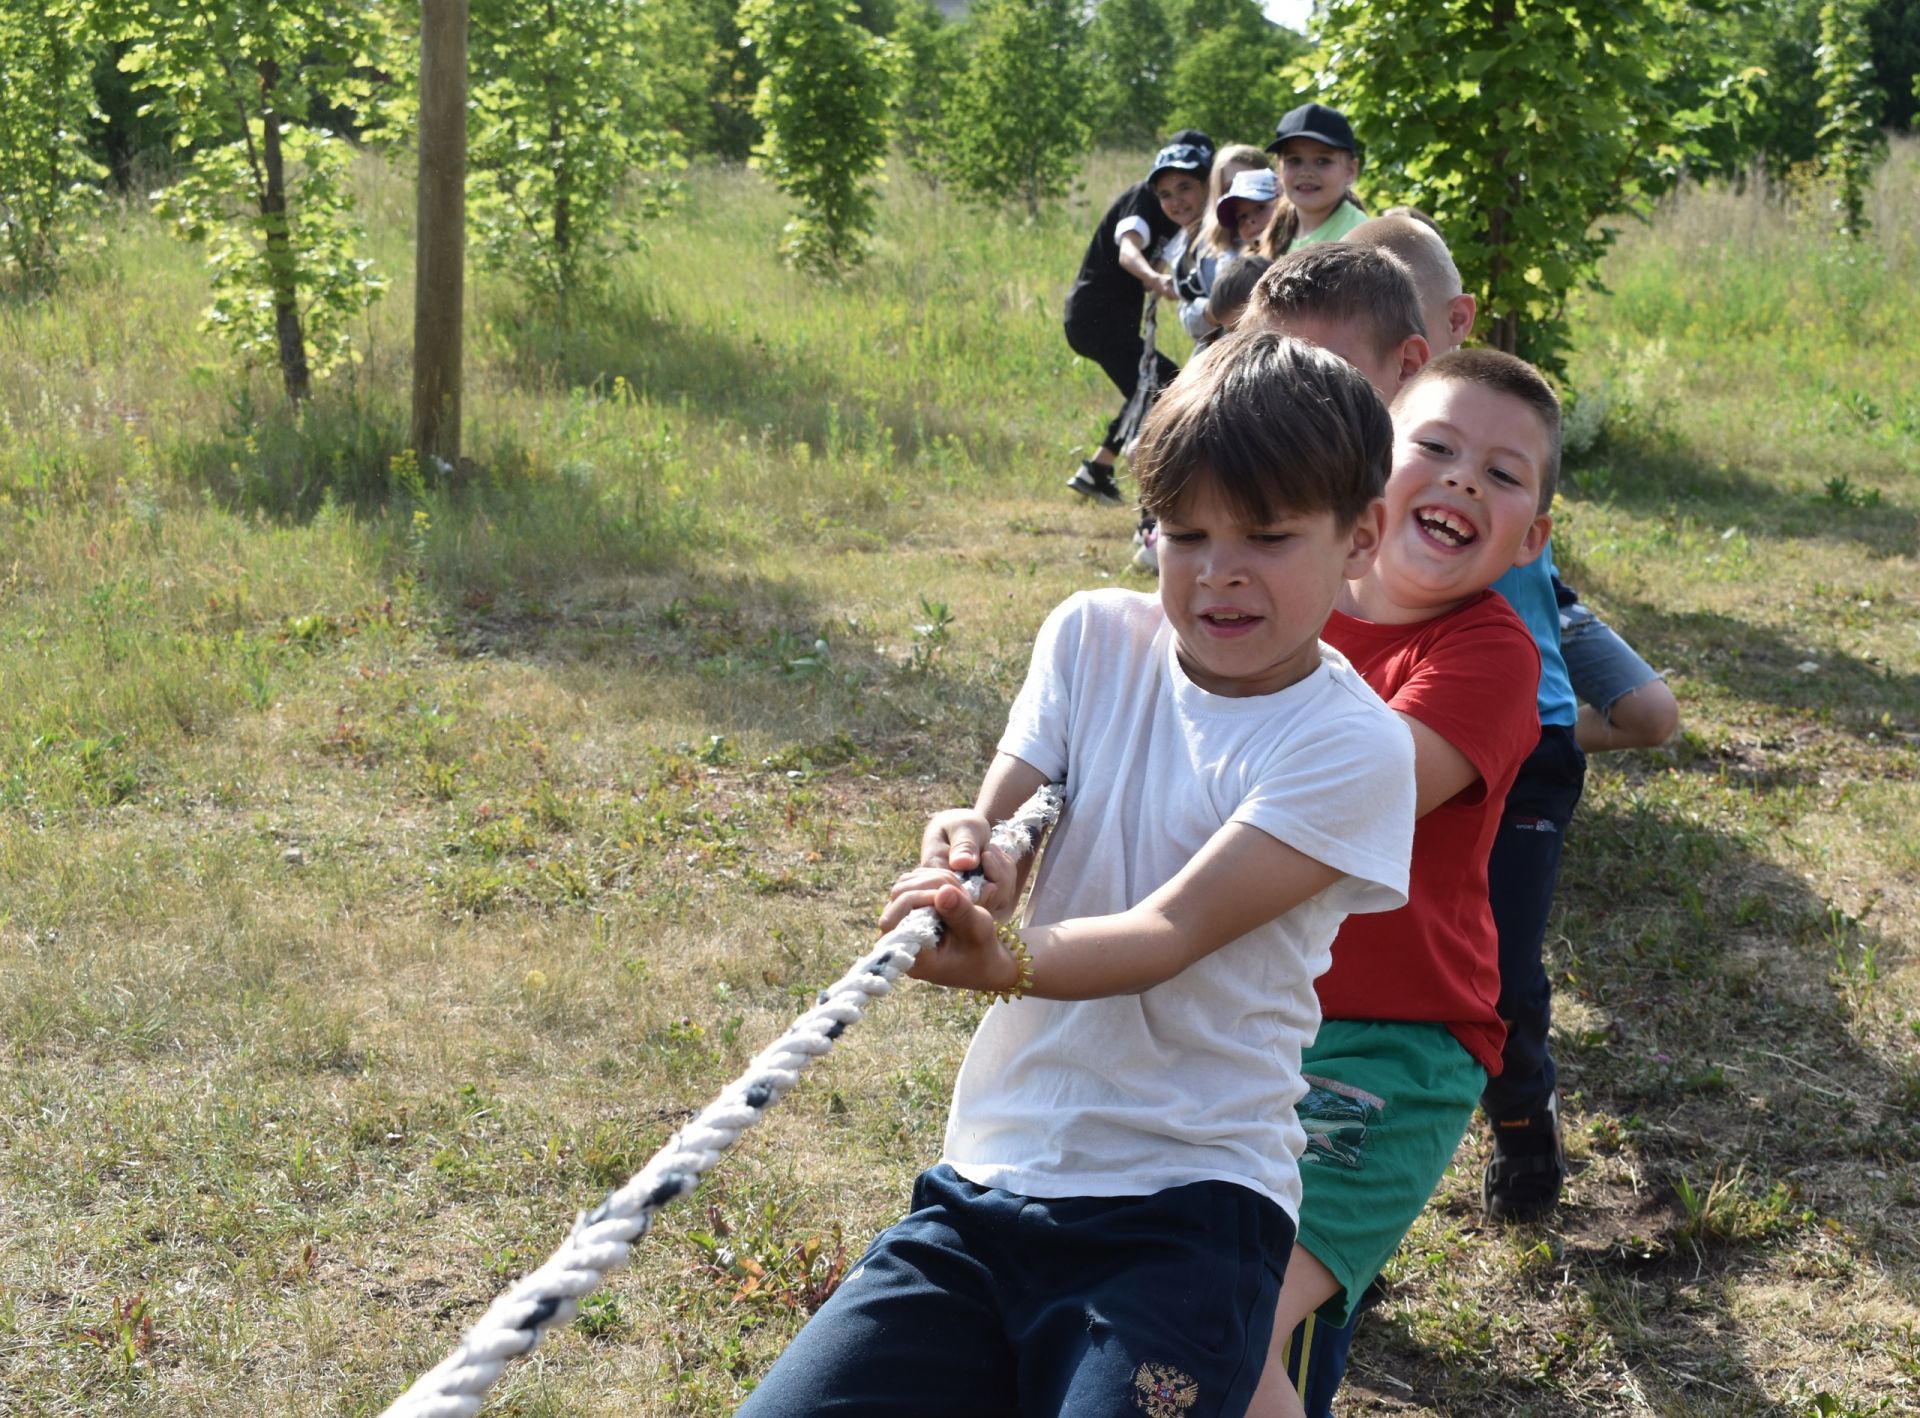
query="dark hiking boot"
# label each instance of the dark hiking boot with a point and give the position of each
(1528, 1167)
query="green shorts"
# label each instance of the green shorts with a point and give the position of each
(1386, 1107)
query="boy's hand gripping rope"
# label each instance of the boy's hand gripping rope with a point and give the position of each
(600, 1240)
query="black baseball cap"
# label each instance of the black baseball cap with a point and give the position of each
(1189, 150)
(1316, 121)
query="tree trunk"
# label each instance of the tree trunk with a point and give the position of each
(440, 240)
(280, 257)
(1504, 328)
(556, 150)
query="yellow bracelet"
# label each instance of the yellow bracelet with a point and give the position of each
(1017, 948)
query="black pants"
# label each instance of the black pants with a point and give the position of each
(1115, 345)
(985, 1304)
(1521, 872)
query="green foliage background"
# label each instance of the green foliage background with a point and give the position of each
(823, 102)
(48, 178)
(1530, 130)
(1017, 117)
(1520, 127)
(566, 102)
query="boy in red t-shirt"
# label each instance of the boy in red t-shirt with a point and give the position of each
(1411, 1032)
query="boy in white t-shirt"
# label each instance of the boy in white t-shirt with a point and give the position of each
(1119, 1190)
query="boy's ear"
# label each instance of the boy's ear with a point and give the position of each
(1535, 540)
(1461, 311)
(1415, 352)
(1363, 541)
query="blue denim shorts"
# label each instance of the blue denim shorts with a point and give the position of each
(1602, 666)
(986, 1304)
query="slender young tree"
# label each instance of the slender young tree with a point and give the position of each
(824, 88)
(440, 235)
(236, 83)
(1521, 126)
(1850, 142)
(1131, 54)
(1225, 79)
(1017, 121)
(567, 101)
(926, 56)
(47, 178)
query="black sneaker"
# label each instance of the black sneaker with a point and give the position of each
(1095, 481)
(1528, 1167)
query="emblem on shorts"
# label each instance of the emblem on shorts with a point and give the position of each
(1336, 1117)
(1162, 1391)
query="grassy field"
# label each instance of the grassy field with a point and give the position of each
(386, 873)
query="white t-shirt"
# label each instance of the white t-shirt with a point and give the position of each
(1195, 1079)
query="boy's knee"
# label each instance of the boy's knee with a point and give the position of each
(1645, 717)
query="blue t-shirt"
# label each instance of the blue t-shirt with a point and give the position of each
(1529, 590)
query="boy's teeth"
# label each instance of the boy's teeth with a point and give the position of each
(1441, 525)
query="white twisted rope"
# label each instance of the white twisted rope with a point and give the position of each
(601, 1239)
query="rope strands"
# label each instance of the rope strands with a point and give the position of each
(601, 1239)
(1146, 383)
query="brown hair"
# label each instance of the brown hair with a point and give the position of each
(1360, 286)
(1275, 425)
(1510, 375)
(1233, 285)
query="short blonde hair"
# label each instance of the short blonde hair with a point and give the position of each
(1436, 280)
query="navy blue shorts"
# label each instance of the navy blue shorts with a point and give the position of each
(984, 1303)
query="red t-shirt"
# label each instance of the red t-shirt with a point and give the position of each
(1471, 676)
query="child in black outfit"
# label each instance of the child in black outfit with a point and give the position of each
(1104, 305)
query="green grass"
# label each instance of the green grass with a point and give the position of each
(386, 876)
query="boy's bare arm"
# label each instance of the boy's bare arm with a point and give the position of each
(1439, 769)
(1240, 879)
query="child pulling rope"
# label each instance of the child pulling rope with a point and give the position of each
(601, 1239)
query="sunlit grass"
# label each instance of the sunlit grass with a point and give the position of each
(388, 871)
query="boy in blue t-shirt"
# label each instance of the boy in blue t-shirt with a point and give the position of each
(1628, 707)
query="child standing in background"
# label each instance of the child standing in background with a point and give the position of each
(1104, 305)
(1319, 160)
(1216, 242)
(1207, 249)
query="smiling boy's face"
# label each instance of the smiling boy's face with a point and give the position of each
(1463, 499)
